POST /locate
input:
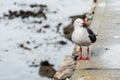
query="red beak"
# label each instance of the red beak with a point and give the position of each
(84, 24)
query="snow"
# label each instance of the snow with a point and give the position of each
(15, 61)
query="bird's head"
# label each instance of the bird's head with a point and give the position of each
(79, 22)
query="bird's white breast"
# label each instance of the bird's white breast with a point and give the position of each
(80, 37)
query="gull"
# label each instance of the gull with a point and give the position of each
(82, 36)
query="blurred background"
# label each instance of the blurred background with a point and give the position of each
(34, 33)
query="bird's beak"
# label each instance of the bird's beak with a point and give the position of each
(84, 24)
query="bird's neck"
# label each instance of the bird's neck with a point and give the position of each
(78, 28)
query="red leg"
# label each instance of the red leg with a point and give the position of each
(80, 56)
(87, 57)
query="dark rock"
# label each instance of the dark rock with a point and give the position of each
(24, 47)
(46, 26)
(21, 45)
(36, 47)
(28, 42)
(25, 14)
(10, 12)
(46, 69)
(62, 42)
(39, 30)
(33, 64)
(43, 6)
(68, 30)
(34, 5)
(39, 22)
(58, 27)
(41, 14)
(94, 1)
(13, 13)
(45, 63)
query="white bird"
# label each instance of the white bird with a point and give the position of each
(82, 36)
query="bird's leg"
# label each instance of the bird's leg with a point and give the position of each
(87, 57)
(80, 56)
